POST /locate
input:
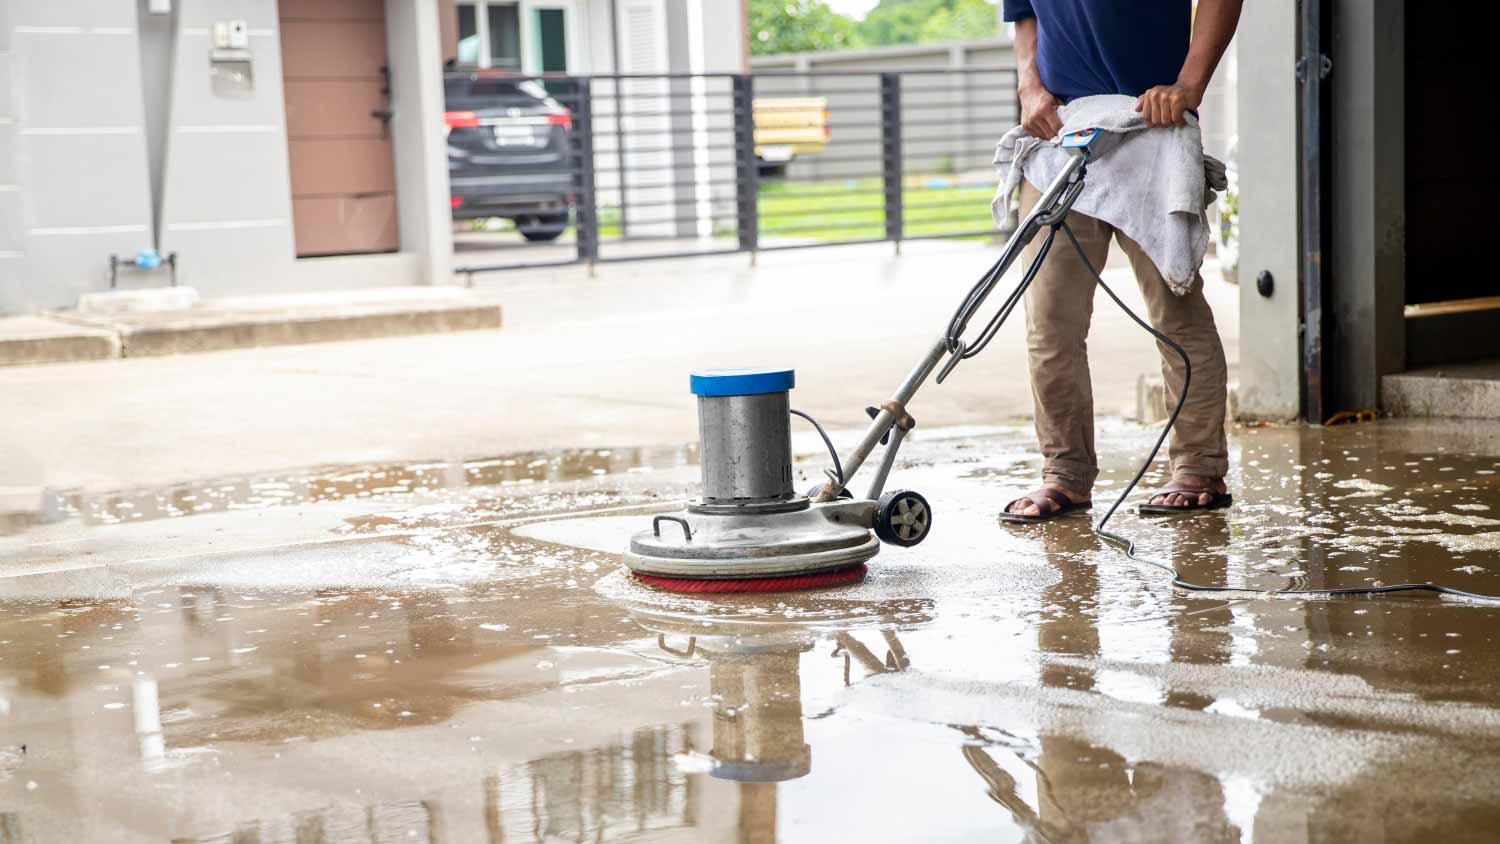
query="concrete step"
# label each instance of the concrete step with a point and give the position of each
(1151, 406)
(1453, 391)
(36, 339)
(244, 322)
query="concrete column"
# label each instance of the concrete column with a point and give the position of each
(1366, 247)
(225, 202)
(414, 44)
(682, 43)
(959, 96)
(1269, 360)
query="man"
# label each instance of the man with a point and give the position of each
(1157, 51)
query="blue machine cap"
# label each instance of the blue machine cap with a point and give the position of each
(763, 771)
(741, 382)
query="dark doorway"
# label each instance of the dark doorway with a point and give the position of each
(1450, 186)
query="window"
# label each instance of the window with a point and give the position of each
(468, 36)
(505, 36)
(489, 34)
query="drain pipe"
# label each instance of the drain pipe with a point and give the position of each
(156, 25)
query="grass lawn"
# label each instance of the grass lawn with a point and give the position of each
(852, 209)
(840, 209)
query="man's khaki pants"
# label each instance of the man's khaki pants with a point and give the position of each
(1059, 306)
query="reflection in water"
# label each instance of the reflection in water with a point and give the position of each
(755, 682)
(1198, 628)
(604, 794)
(383, 823)
(10, 828)
(335, 483)
(757, 693)
(622, 790)
(146, 709)
(1075, 791)
(1061, 788)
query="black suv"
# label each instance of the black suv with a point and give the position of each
(508, 152)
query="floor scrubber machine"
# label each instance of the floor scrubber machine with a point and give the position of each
(750, 530)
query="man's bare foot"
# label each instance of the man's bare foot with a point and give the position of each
(1196, 489)
(1027, 506)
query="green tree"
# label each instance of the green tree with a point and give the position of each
(964, 20)
(798, 26)
(928, 21)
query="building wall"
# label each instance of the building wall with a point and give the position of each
(74, 184)
(681, 190)
(984, 105)
(113, 139)
(1218, 115)
(1267, 159)
(226, 191)
(978, 103)
(11, 233)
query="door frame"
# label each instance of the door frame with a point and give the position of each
(531, 60)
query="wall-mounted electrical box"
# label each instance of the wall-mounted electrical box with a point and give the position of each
(230, 67)
(231, 35)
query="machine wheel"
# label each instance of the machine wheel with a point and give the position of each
(812, 491)
(904, 518)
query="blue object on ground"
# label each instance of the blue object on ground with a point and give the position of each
(741, 382)
(148, 259)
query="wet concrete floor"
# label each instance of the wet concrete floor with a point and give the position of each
(452, 652)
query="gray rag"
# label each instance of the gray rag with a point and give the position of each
(1153, 184)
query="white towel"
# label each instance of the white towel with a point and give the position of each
(1151, 184)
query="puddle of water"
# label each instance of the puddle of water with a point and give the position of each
(475, 679)
(430, 479)
(340, 483)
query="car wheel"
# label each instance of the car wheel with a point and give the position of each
(543, 227)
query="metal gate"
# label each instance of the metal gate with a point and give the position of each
(553, 169)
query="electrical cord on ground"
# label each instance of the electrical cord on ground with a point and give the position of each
(838, 468)
(1127, 545)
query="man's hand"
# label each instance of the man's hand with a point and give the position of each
(1038, 106)
(1165, 105)
(1039, 112)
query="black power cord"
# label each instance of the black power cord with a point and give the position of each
(838, 468)
(1127, 545)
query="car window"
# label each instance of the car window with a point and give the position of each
(477, 92)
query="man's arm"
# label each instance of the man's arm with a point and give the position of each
(1038, 106)
(1213, 27)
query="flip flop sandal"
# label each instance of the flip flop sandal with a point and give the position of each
(1040, 498)
(1220, 501)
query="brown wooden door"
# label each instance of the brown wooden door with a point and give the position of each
(343, 177)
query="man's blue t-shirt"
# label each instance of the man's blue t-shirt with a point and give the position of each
(1088, 47)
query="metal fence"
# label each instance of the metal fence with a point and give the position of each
(674, 165)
